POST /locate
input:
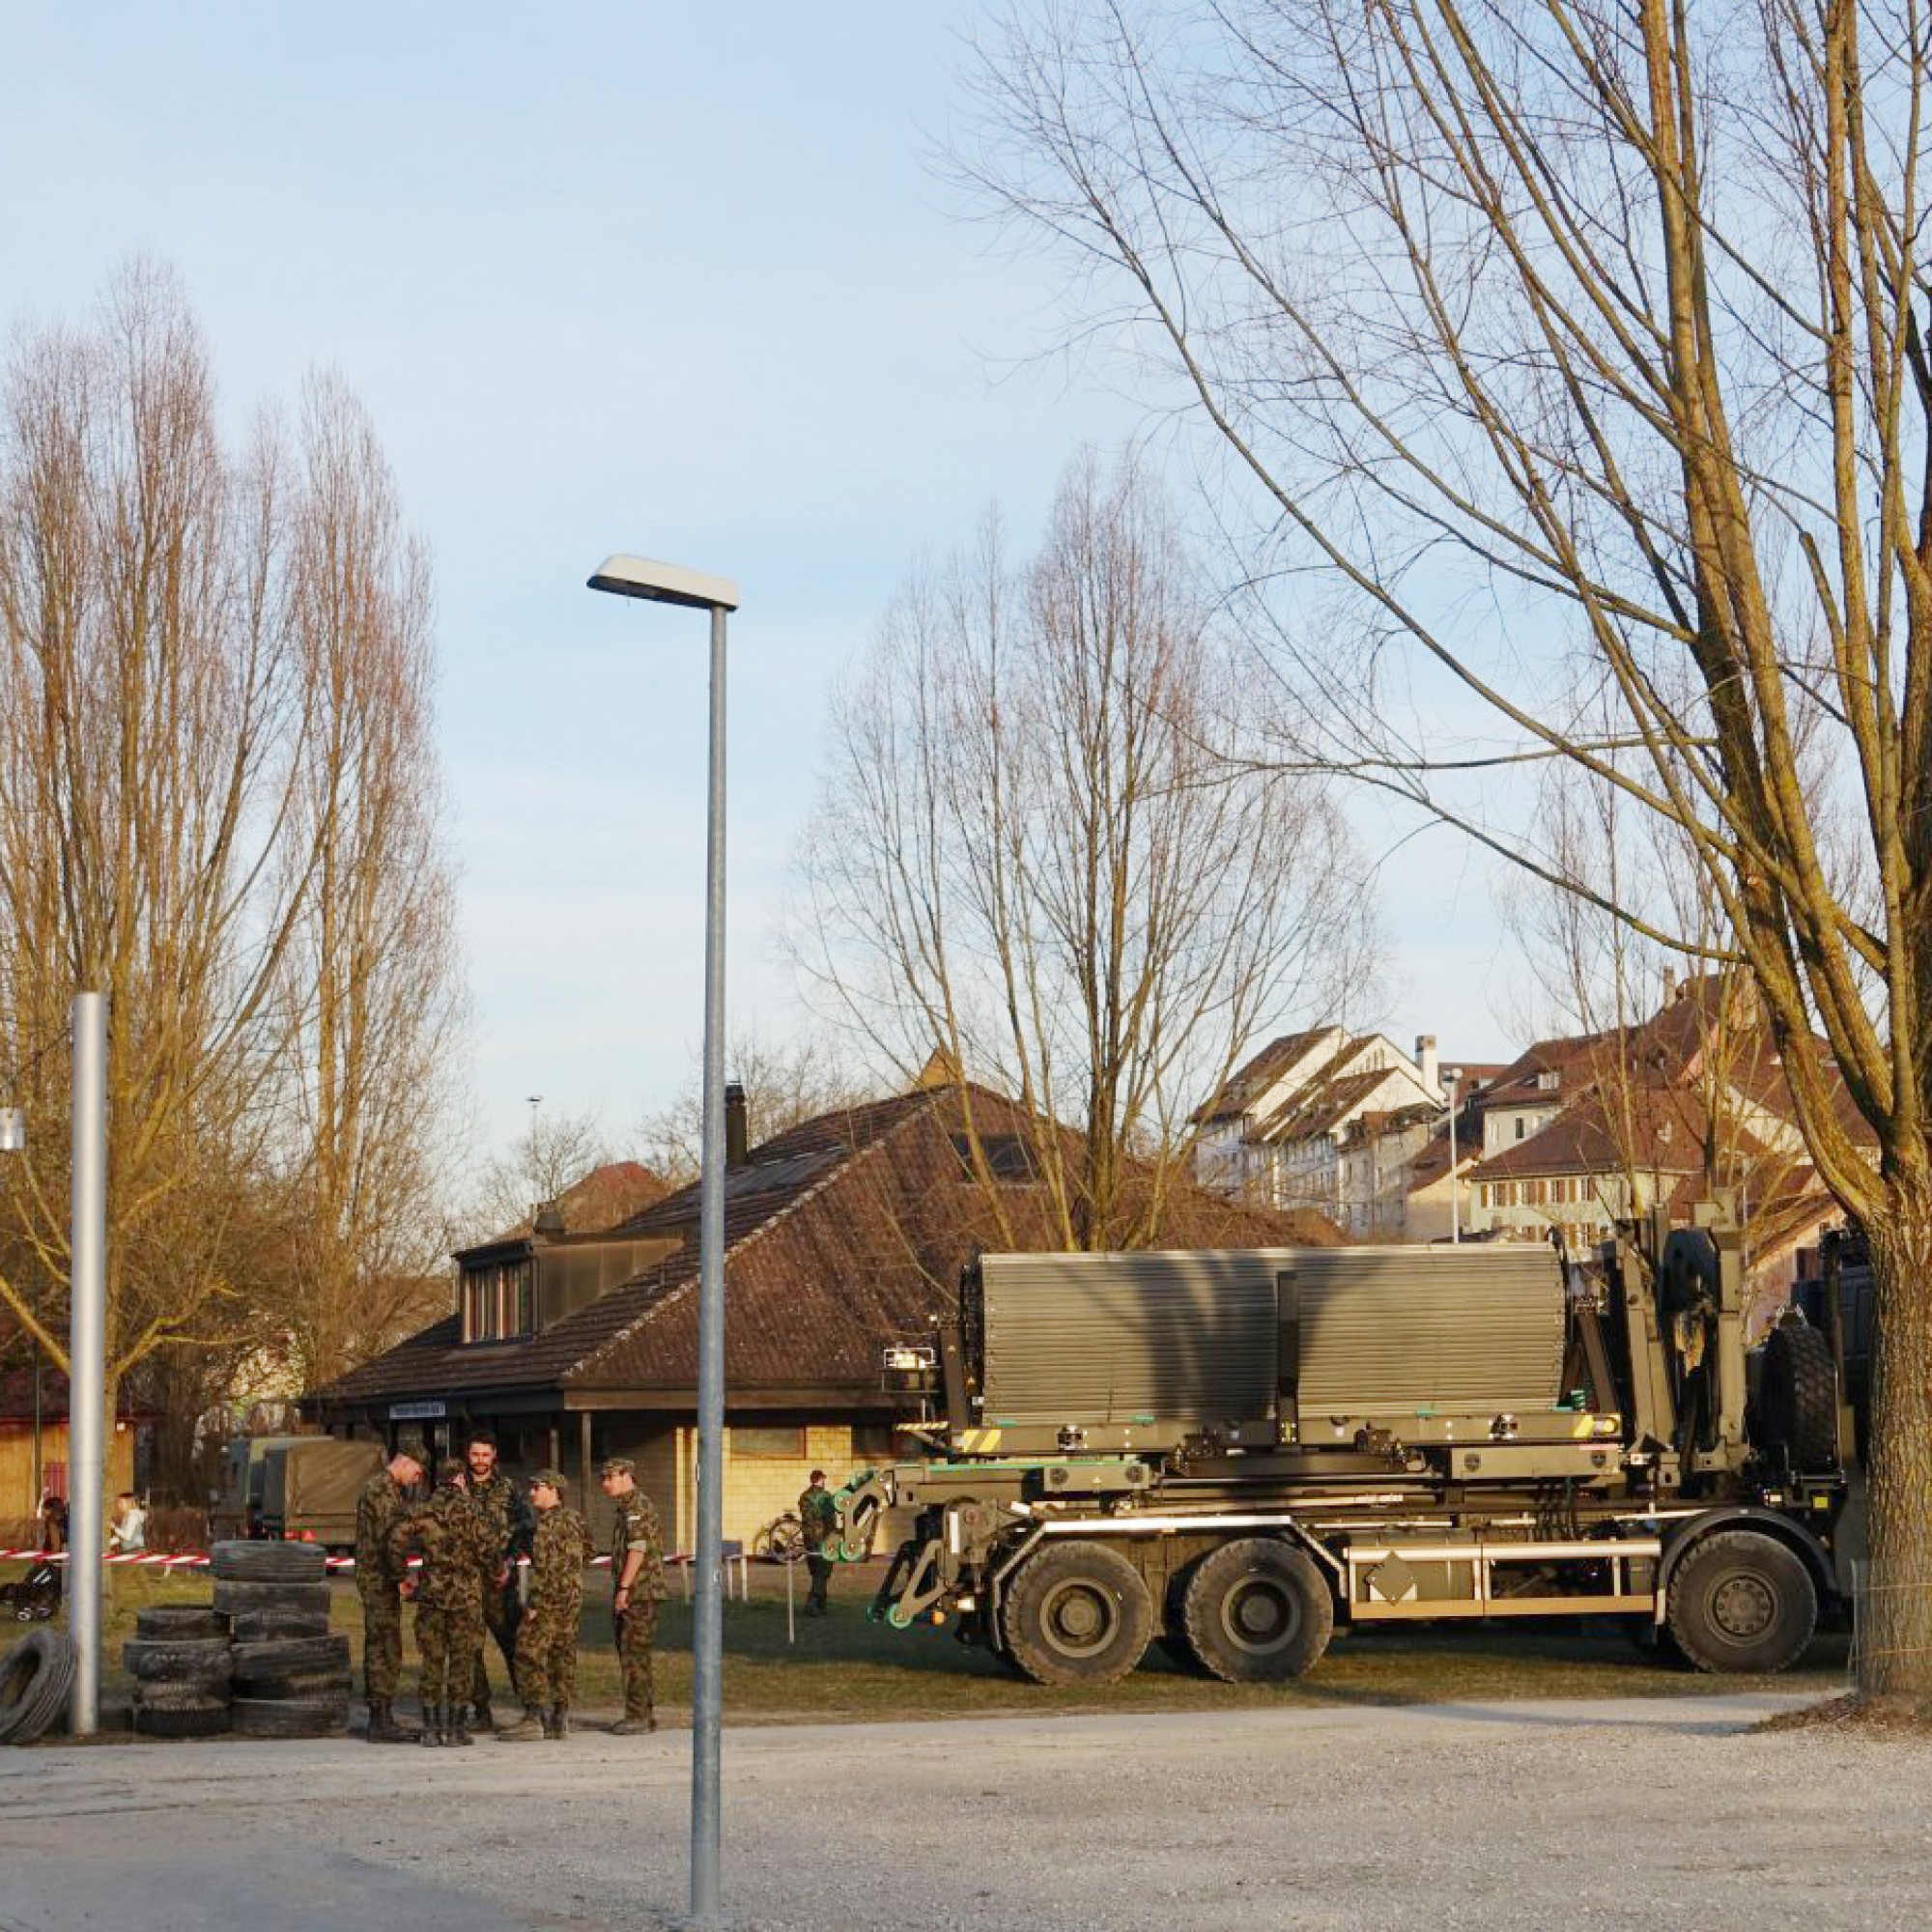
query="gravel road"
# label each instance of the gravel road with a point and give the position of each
(1651, 1814)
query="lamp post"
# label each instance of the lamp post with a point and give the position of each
(671, 583)
(1451, 1078)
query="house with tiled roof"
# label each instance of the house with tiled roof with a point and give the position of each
(843, 1234)
(1324, 1121)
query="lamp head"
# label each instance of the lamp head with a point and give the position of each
(664, 583)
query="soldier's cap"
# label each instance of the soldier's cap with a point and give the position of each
(549, 1479)
(451, 1470)
(412, 1446)
(615, 1465)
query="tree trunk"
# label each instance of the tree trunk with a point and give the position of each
(1894, 1660)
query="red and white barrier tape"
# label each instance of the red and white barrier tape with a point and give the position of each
(195, 1560)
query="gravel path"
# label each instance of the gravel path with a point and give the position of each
(1651, 1814)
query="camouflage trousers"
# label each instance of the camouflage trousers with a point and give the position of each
(502, 1616)
(637, 1631)
(382, 1639)
(546, 1654)
(451, 1642)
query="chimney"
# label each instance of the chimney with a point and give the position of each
(1424, 1058)
(735, 1134)
(548, 1219)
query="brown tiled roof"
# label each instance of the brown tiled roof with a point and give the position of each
(1325, 1103)
(593, 1204)
(841, 1233)
(1253, 1077)
(1664, 1132)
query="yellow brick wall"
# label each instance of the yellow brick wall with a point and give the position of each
(758, 1488)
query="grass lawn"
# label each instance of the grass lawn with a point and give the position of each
(845, 1668)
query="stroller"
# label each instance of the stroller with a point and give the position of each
(34, 1597)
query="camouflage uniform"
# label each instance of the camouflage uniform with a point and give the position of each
(379, 1509)
(818, 1520)
(458, 1563)
(636, 1528)
(507, 1509)
(547, 1639)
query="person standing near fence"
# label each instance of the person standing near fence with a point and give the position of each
(384, 1502)
(547, 1636)
(638, 1577)
(818, 1520)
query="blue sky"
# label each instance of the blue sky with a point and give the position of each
(673, 280)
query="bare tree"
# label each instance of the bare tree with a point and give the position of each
(1031, 860)
(186, 806)
(558, 1151)
(1580, 338)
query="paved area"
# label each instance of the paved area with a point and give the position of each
(1651, 1814)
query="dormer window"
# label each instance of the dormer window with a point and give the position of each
(499, 1304)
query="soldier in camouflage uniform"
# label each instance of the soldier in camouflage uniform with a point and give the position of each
(458, 1563)
(546, 1637)
(636, 1570)
(384, 1502)
(507, 1509)
(818, 1522)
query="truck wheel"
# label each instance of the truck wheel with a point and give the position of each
(235, 1598)
(1798, 1397)
(1077, 1613)
(180, 1660)
(182, 1622)
(1741, 1601)
(270, 1562)
(1258, 1611)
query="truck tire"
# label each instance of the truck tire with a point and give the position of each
(296, 1684)
(1798, 1397)
(290, 1716)
(283, 1656)
(183, 1623)
(1257, 1612)
(268, 1562)
(178, 1694)
(35, 1677)
(232, 1597)
(176, 1659)
(1741, 1601)
(206, 1719)
(270, 1625)
(1076, 1612)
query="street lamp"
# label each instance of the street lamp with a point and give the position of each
(672, 584)
(1451, 1075)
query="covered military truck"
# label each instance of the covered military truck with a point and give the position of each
(293, 1489)
(1234, 1451)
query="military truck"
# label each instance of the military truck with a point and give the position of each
(293, 1489)
(1234, 1452)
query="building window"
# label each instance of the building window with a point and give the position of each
(774, 1444)
(1008, 1156)
(498, 1301)
(1519, 1126)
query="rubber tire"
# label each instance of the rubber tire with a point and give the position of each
(35, 1677)
(1277, 1583)
(286, 1656)
(328, 1684)
(290, 1716)
(268, 1562)
(1798, 1397)
(212, 1720)
(234, 1597)
(180, 1623)
(181, 1659)
(1740, 1601)
(1053, 1593)
(274, 1626)
(178, 1694)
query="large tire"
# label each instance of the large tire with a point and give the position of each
(1741, 1601)
(35, 1677)
(1257, 1612)
(290, 1716)
(288, 1654)
(270, 1562)
(298, 1684)
(1076, 1612)
(178, 1694)
(168, 1720)
(179, 1622)
(1798, 1397)
(234, 1597)
(180, 1660)
(271, 1626)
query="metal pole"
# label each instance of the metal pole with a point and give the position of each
(1455, 1204)
(40, 1467)
(87, 1360)
(708, 1633)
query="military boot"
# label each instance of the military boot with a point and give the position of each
(433, 1725)
(634, 1724)
(534, 1724)
(382, 1726)
(557, 1727)
(483, 1717)
(459, 1725)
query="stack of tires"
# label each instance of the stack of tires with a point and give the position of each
(178, 1659)
(290, 1675)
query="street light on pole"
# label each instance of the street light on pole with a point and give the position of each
(672, 584)
(1451, 1079)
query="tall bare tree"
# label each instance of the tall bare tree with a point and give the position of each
(1578, 336)
(1031, 860)
(186, 801)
